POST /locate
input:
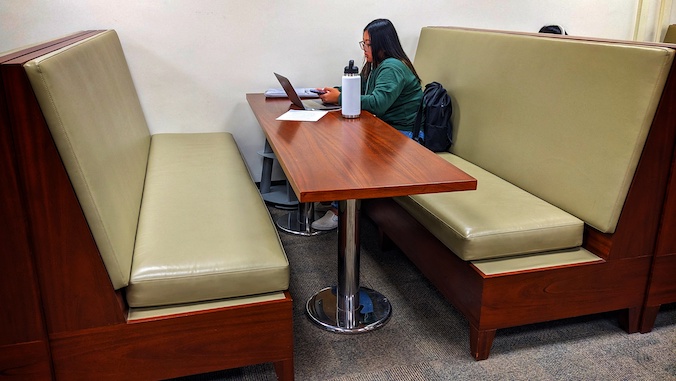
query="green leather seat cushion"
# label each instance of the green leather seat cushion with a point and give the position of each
(204, 231)
(496, 220)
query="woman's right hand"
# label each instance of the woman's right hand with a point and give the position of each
(331, 95)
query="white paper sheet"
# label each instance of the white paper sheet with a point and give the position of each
(302, 115)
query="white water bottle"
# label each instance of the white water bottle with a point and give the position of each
(351, 92)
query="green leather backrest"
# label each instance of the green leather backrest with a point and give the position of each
(563, 119)
(90, 103)
(670, 36)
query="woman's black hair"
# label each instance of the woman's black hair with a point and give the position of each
(385, 44)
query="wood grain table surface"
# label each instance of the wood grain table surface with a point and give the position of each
(339, 159)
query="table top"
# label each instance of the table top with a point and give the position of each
(340, 159)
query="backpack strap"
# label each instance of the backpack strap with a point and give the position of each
(418, 121)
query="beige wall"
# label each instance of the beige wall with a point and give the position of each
(194, 61)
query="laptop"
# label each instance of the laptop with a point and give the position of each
(307, 104)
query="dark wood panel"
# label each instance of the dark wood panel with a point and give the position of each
(45, 47)
(662, 284)
(339, 159)
(24, 347)
(182, 345)
(70, 270)
(557, 293)
(663, 281)
(25, 361)
(666, 241)
(661, 290)
(19, 294)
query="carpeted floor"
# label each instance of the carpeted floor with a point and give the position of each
(427, 339)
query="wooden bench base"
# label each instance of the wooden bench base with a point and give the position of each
(662, 283)
(661, 290)
(491, 302)
(179, 345)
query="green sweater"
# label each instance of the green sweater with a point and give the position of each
(392, 93)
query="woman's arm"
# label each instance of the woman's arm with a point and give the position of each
(389, 84)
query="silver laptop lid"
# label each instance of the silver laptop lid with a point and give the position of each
(295, 99)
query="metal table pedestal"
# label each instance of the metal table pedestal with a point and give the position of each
(348, 308)
(299, 221)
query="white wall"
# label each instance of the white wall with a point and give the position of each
(194, 61)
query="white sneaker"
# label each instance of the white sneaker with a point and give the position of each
(328, 222)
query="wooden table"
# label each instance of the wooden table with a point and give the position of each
(349, 160)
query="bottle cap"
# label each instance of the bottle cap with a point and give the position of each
(351, 69)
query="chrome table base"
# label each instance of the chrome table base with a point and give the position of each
(373, 311)
(299, 221)
(348, 308)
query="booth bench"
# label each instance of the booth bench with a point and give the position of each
(571, 142)
(134, 255)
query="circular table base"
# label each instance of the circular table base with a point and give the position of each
(290, 223)
(373, 313)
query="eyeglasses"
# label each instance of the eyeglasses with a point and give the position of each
(363, 45)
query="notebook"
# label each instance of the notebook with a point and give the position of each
(307, 104)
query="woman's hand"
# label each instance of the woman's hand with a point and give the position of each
(330, 96)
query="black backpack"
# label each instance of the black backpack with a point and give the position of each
(553, 29)
(434, 117)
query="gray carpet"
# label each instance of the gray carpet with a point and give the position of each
(427, 339)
